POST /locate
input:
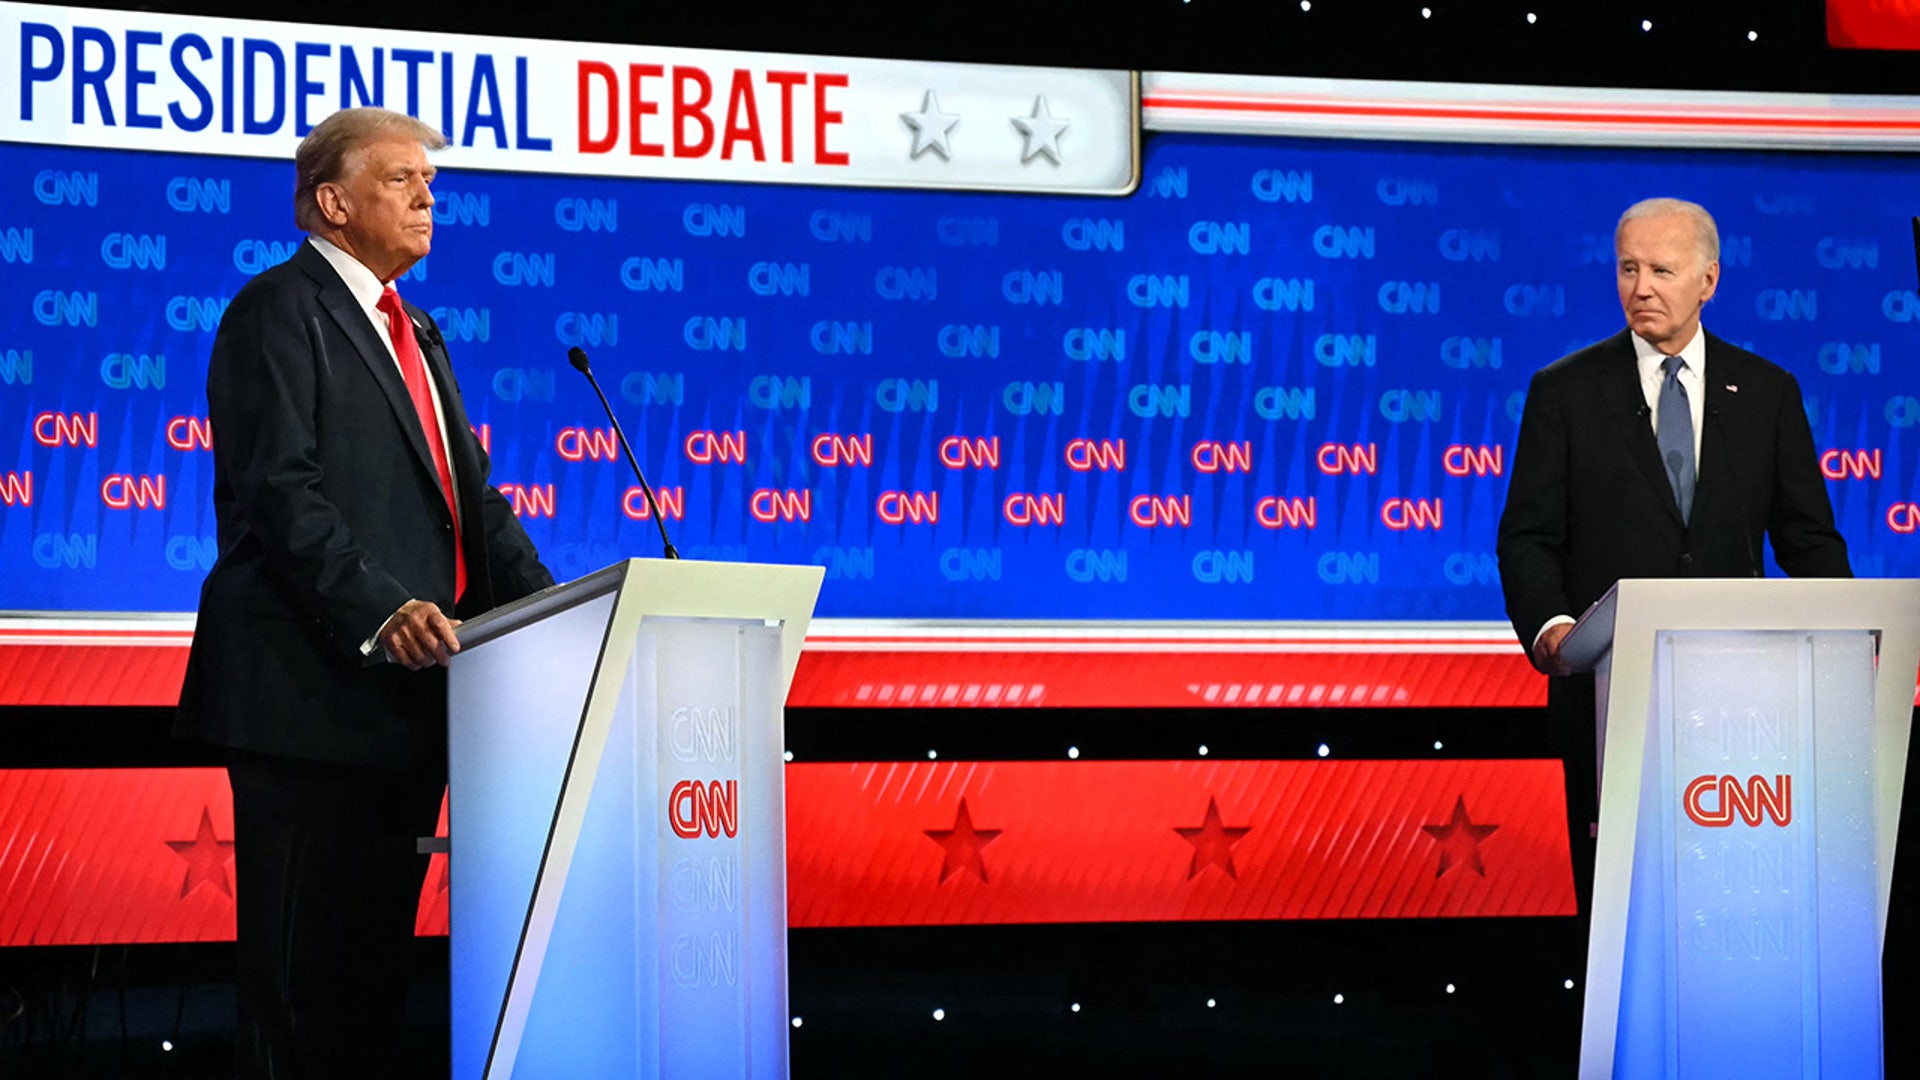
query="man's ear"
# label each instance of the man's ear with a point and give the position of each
(332, 200)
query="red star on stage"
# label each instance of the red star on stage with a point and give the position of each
(1213, 842)
(1459, 839)
(962, 843)
(206, 858)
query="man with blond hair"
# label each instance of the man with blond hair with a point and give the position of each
(356, 528)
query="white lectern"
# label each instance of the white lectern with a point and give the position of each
(617, 824)
(1754, 735)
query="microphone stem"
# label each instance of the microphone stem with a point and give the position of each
(645, 489)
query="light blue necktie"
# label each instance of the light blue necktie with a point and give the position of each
(1675, 435)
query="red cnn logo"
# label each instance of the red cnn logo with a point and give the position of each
(902, 507)
(66, 429)
(126, 492)
(1024, 509)
(716, 447)
(831, 450)
(1210, 456)
(1335, 459)
(712, 808)
(1403, 514)
(586, 444)
(672, 500)
(1156, 511)
(1775, 802)
(960, 452)
(16, 488)
(767, 504)
(1463, 460)
(1850, 464)
(1274, 512)
(1105, 455)
(190, 433)
(529, 500)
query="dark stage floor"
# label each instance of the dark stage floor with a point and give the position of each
(1461, 997)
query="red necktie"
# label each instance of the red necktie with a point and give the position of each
(414, 370)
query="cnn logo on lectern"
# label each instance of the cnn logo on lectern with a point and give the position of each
(712, 808)
(1753, 802)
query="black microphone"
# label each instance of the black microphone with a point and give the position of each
(1740, 500)
(578, 357)
(432, 333)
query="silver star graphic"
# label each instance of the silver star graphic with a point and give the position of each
(1041, 131)
(930, 128)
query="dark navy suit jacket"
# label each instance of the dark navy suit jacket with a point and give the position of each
(1588, 502)
(330, 518)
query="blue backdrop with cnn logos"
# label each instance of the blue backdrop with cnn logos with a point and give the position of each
(1280, 381)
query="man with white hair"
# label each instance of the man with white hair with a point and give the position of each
(356, 525)
(1660, 452)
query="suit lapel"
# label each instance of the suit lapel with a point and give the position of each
(352, 321)
(1620, 386)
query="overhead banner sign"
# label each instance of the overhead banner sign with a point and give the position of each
(1432, 112)
(146, 81)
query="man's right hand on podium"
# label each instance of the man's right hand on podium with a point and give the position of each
(419, 635)
(1546, 649)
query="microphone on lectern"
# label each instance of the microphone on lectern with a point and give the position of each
(578, 357)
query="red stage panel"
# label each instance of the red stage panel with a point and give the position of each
(1045, 842)
(1873, 24)
(91, 674)
(111, 856)
(104, 856)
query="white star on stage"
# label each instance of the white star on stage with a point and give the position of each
(1041, 131)
(930, 128)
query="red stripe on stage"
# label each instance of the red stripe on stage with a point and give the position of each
(1100, 673)
(114, 856)
(1144, 841)
(1540, 114)
(1092, 679)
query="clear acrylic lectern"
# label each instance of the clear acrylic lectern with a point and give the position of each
(1753, 740)
(617, 824)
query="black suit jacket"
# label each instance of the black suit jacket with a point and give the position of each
(1588, 502)
(330, 518)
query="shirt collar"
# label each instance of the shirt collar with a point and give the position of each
(360, 281)
(1650, 358)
